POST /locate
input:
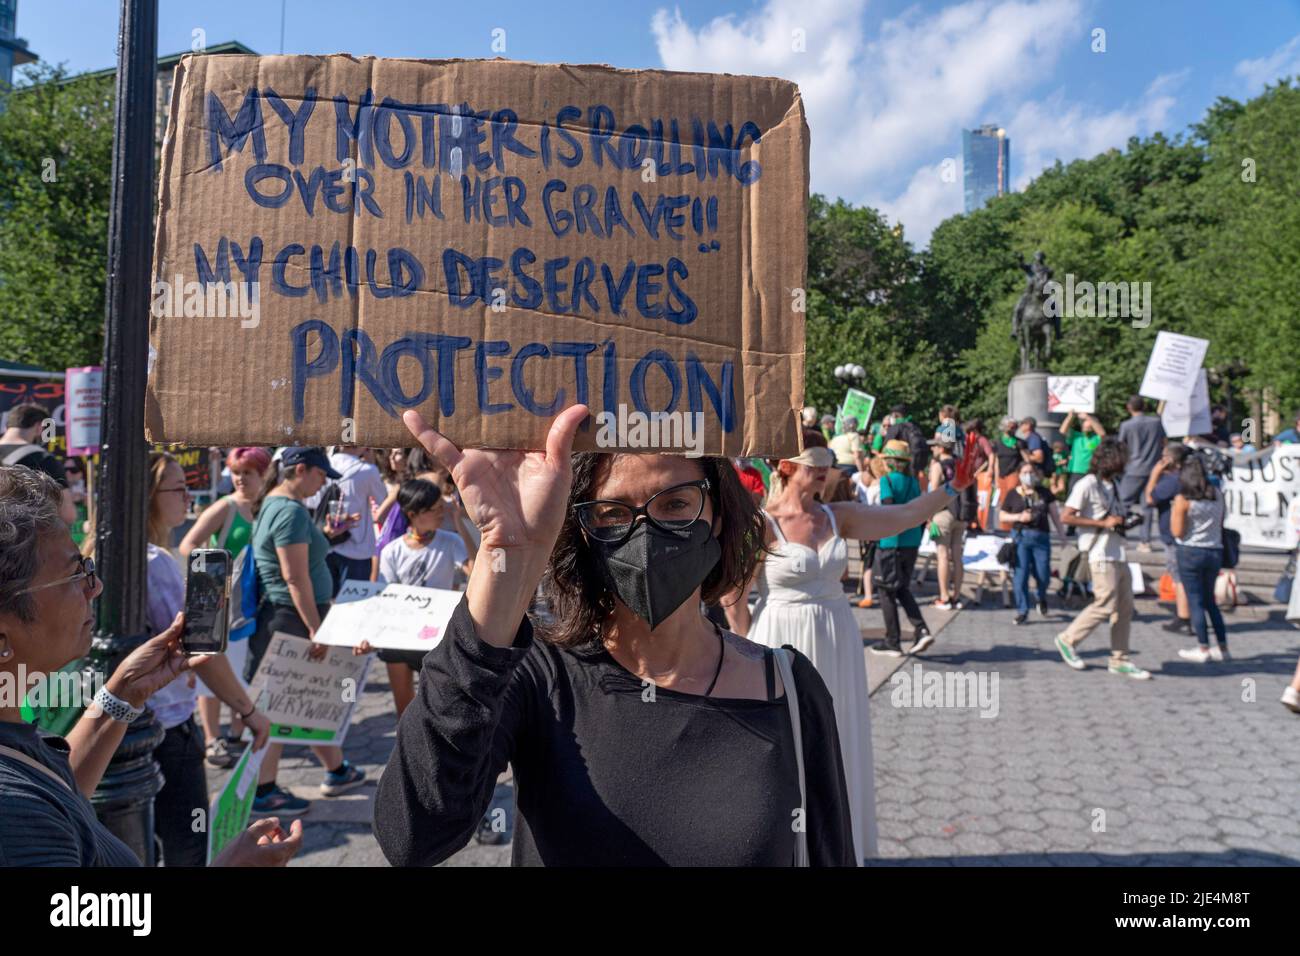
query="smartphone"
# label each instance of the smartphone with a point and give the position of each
(207, 602)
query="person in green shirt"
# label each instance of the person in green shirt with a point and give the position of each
(896, 555)
(1082, 442)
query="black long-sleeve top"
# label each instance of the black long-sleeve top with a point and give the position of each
(606, 773)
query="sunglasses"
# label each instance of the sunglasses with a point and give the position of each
(673, 510)
(85, 570)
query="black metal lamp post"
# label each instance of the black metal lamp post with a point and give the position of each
(124, 800)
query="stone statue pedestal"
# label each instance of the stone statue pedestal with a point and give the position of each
(1027, 395)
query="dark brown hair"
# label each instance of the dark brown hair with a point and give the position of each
(574, 589)
(1109, 459)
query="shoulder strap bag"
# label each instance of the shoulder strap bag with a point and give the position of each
(37, 765)
(784, 660)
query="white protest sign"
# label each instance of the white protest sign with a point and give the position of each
(83, 398)
(1135, 576)
(1259, 492)
(307, 701)
(979, 552)
(1189, 415)
(397, 616)
(356, 591)
(1171, 370)
(1072, 393)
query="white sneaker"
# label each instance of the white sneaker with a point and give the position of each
(1198, 654)
(1291, 699)
(1219, 654)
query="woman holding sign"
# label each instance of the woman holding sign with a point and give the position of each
(639, 732)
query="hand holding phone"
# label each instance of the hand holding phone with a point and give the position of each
(207, 602)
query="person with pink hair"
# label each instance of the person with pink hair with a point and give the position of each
(228, 524)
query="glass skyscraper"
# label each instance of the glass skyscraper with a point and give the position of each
(13, 51)
(986, 164)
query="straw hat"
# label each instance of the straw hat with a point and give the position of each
(896, 448)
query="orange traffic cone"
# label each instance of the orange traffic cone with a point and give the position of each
(1168, 592)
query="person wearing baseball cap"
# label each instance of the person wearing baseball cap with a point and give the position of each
(801, 601)
(311, 456)
(289, 552)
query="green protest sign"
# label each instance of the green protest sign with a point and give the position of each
(229, 813)
(859, 405)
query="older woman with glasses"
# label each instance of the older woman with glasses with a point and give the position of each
(640, 733)
(46, 589)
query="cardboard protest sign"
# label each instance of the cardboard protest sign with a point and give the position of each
(1259, 492)
(1171, 369)
(343, 238)
(233, 805)
(308, 702)
(857, 404)
(397, 616)
(1072, 393)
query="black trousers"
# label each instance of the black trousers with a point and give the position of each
(892, 576)
(272, 618)
(183, 833)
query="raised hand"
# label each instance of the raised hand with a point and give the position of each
(516, 498)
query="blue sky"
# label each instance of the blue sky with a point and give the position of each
(888, 85)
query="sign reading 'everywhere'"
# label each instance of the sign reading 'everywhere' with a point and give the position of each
(486, 241)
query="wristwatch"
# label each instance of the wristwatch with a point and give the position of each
(115, 707)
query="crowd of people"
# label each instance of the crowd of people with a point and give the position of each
(643, 566)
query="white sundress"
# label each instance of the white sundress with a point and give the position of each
(801, 602)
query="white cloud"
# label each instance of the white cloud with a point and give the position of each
(895, 103)
(1052, 128)
(1284, 61)
(929, 199)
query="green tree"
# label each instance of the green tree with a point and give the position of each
(864, 308)
(56, 138)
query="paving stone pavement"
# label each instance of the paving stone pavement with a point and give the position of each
(1196, 766)
(1185, 769)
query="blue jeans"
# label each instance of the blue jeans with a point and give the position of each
(1197, 570)
(1033, 553)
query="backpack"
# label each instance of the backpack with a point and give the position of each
(245, 591)
(911, 433)
(21, 453)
